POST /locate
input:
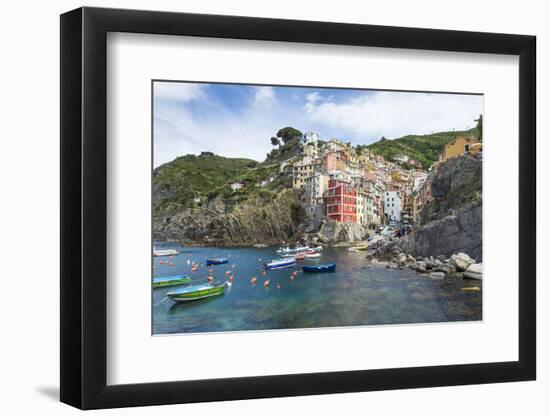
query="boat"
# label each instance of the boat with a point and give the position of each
(216, 261)
(316, 249)
(311, 254)
(160, 282)
(362, 248)
(280, 263)
(288, 250)
(196, 292)
(300, 257)
(320, 268)
(164, 252)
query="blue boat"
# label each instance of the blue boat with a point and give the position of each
(280, 263)
(320, 268)
(216, 261)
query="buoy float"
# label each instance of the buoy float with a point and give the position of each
(266, 283)
(253, 280)
(279, 286)
(231, 278)
(210, 270)
(209, 278)
(264, 272)
(228, 273)
(292, 277)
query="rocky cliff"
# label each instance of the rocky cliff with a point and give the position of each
(452, 222)
(218, 223)
(331, 232)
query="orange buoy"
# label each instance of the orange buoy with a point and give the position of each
(266, 283)
(253, 280)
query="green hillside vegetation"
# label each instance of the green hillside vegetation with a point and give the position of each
(423, 148)
(190, 176)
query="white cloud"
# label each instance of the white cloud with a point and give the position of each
(180, 92)
(263, 97)
(395, 114)
(313, 97)
(238, 135)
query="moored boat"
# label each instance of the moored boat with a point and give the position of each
(287, 250)
(164, 252)
(196, 292)
(280, 263)
(160, 282)
(311, 254)
(320, 268)
(216, 261)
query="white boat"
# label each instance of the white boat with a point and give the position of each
(280, 263)
(164, 252)
(316, 249)
(287, 250)
(312, 255)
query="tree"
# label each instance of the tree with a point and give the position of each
(289, 133)
(275, 141)
(479, 127)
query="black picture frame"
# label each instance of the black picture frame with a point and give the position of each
(84, 207)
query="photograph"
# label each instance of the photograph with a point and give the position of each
(292, 207)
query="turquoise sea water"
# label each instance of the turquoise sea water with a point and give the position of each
(356, 294)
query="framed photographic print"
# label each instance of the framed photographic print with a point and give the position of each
(258, 207)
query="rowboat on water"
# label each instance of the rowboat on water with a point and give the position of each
(196, 292)
(164, 252)
(280, 263)
(316, 249)
(160, 282)
(216, 261)
(312, 254)
(362, 248)
(320, 268)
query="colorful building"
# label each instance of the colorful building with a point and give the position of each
(392, 206)
(341, 199)
(459, 146)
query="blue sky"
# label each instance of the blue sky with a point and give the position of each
(239, 120)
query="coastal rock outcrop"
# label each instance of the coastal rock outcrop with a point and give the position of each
(245, 224)
(452, 222)
(331, 232)
(474, 271)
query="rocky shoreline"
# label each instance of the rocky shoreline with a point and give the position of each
(459, 265)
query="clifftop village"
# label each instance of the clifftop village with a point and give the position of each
(342, 184)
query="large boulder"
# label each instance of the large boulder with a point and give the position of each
(461, 261)
(474, 271)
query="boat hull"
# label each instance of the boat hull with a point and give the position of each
(216, 261)
(165, 252)
(288, 263)
(198, 294)
(171, 281)
(320, 268)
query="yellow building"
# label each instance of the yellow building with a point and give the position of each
(459, 146)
